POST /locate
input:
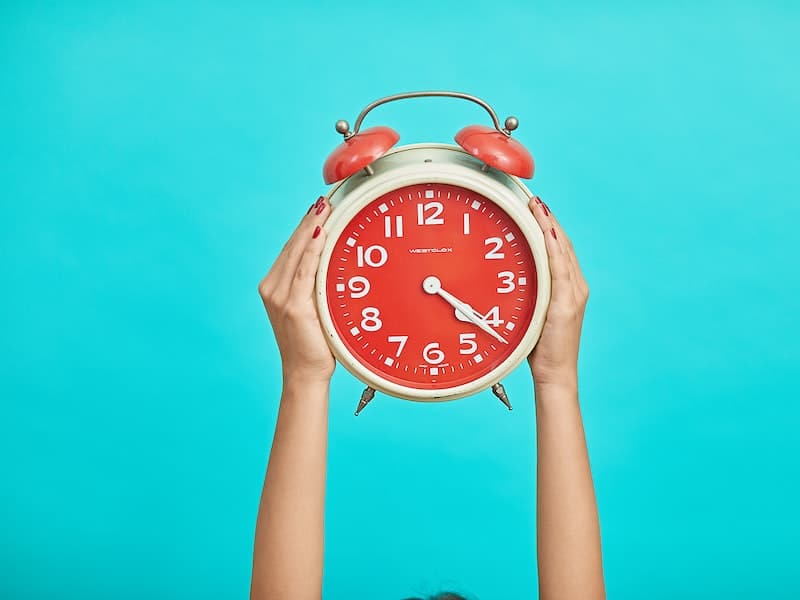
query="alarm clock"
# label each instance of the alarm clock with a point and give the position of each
(433, 282)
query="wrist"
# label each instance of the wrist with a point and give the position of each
(565, 379)
(294, 382)
(560, 387)
(555, 398)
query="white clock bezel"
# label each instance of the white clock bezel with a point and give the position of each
(432, 163)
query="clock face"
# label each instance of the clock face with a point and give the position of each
(431, 286)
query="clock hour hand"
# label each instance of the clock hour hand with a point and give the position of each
(463, 317)
(432, 285)
(473, 316)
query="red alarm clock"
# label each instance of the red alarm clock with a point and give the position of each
(434, 282)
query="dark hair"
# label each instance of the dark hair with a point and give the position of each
(442, 596)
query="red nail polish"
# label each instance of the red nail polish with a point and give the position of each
(317, 229)
(544, 208)
(310, 208)
(320, 208)
(553, 231)
(319, 201)
(537, 199)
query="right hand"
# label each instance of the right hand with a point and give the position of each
(288, 295)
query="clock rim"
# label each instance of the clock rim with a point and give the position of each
(468, 175)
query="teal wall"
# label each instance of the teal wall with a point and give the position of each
(154, 156)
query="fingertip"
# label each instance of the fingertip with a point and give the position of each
(551, 242)
(544, 209)
(541, 215)
(317, 240)
(323, 210)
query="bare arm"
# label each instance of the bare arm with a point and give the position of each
(287, 555)
(568, 529)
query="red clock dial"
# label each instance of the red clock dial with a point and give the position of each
(431, 286)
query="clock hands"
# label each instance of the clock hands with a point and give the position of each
(463, 317)
(432, 285)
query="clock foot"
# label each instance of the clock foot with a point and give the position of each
(500, 392)
(367, 395)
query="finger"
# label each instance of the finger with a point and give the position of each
(577, 273)
(305, 275)
(579, 285)
(566, 244)
(278, 265)
(559, 262)
(295, 250)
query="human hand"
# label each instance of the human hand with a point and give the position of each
(555, 357)
(288, 295)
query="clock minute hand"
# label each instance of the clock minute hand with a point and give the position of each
(463, 317)
(432, 285)
(471, 314)
(477, 318)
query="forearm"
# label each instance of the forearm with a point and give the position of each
(287, 558)
(568, 531)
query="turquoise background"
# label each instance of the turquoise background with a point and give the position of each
(154, 158)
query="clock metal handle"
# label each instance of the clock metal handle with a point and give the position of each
(511, 123)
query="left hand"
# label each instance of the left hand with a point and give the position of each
(555, 357)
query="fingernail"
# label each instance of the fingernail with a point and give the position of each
(310, 208)
(537, 199)
(544, 208)
(320, 208)
(552, 230)
(547, 207)
(320, 200)
(317, 229)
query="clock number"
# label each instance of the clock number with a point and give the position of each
(468, 340)
(466, 223)
(370, 320)
(398, 226)
(369, 257)
(432, 354)
(358, 286)
(436, 209)
(493, 317)
(493, 253)
(398, 339)
(507, 278)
